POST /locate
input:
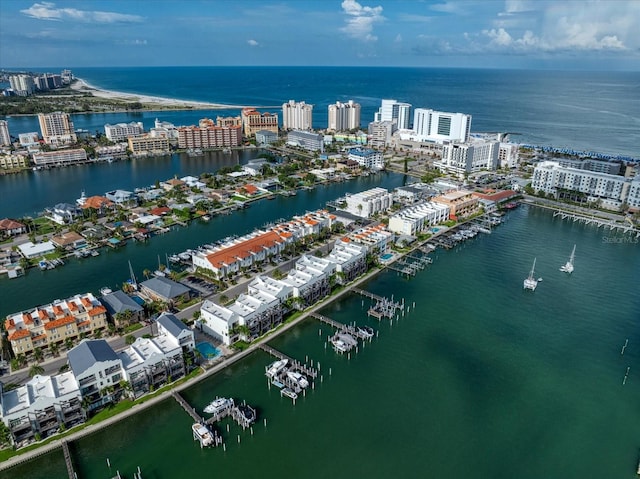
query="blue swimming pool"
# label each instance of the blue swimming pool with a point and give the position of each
(386, 256)
(207, 351)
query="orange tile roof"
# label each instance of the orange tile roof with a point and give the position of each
(39, 336)
(42, 314)
(59, 322)
(251, 189)
(84, 323)
(244, 250)
(9, 324)
(27, 319)
(499, 196)
(160, 210)
(57, 310)
(97, 310)
(97, 202)
(72, 306)
(19, 334)
(7, 224)
(86, 302)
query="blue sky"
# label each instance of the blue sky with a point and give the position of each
(560, 34)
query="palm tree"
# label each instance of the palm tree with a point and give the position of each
(38, 354)
(146, 273)
(54, 348)
(35, 370)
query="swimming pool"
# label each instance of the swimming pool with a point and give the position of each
(386, 257)
(207, 351)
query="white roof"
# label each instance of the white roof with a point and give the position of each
(30, 249)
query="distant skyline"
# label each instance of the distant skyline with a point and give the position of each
(519, 34)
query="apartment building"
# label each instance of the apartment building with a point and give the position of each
(254, 121)
(146, 145)
(209, 136)
(297, 116)
(59, 157)
(343, 116)
(122, 131)
(417, 218)
(57, 128)
(367, 203)
(461, 203)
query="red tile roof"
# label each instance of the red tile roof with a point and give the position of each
(19, 334)
(59, 322)
(7, 224)
(497, 197)
(244, 250)
(160, 210)
(97, 202)
(97, 310)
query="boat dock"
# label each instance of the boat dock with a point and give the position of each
(68, 461)
(384, 307)
(346, 328)
(185, 405)
(295, 364)
(598, 222)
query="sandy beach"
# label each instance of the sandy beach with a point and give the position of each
(82, 86)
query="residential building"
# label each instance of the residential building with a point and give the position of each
(10, 227)
(266, 137)
(55, 323)
(29, 140)
(633, 197)
(120, 304)
(41, 407)
(417, 218)
(344, 116)
(438, 126)
(375, 238)
(147, 145)
(367, 158)
(368, 203)
(14, 160)
(67, 76)
(22, 85)
(229, 121)
(297, 116)
(306, 140)
(69, 240)
(395, 112)
(473, 156)
(165, 290)
(57, 128)
(59, 157)
(5, 138)
(508, 155)
(34, 250)
(381, 133)
(210, 136)
(122, 131)
(590, 164)
(608, 191)
(461, 203)
(253, 121)
(120, 197)
(63, 213)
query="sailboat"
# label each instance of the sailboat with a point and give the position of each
(568, 266)
(530, 282)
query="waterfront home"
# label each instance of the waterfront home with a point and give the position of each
(169, 325)
(34, 250)
(120, 197)
(98, 371)
(41, 407)
(461, 203)
(95, 233)
(70, 240)
(63, 213)
(165, 290)
(118, 303)
(417, 218)
(248, 190)
(151, 194)
(375, 238)
(171, 184)
(193, 182)
(160, 211)
(309, 285)
(55, 323)
(219, 322)
(368, 203)
(10, 227)
(350, 260)
(101, 204)
(149, 221)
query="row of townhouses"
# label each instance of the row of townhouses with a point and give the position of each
(97, 375)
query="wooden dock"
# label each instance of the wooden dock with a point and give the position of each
(185, 405)
(295, 364)
(367, 294)
(346, 328)
(68, 461)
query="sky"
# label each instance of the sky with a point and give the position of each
(514, 34)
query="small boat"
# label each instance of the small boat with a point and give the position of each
(206, 217)
(274, 368)
(105, 290)
(95, 252)
(568, 266)
(289, 393)
(202, 433)
(530, 282)
(43, 265)
(218, 405)
(366, 331)
(339, 345)
(298, 378)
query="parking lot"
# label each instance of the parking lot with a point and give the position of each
(200, 285)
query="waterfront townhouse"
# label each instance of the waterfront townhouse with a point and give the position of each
(253, 121)
(41, 407)
(45, 159)
(55, 323)
(122, 131)
(15, 160)
(350, 261)
(297, 116)
(367, 158)
(231, 258)
(57, 128)
(219, 322)
(608, 191)
(374, 238)
(143, 145)
(191, 137)
(461, 203)
(415, 219)
(368, 203)
(258, 313)
(475, 155)
(310, 284)
(98, 371)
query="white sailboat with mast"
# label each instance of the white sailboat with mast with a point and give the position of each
(531, 282)
(568, 266)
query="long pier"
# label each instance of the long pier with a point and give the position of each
(68, 461)
(347, 328)
(599, 222)
(367, 294)
(186, 406)
(308, 370)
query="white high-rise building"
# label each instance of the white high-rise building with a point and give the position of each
(5, 138)
(344, 116)
(397, 112)
(123, 131)
(22, 84)
(476, 155)
(440, 126)
(297, 115)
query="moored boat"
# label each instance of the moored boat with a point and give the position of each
(568, 266)
(298, 378)
(274, 368)
(530, 282)
(202, 433)
(218, 405)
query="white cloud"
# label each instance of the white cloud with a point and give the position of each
(253, 42)
(48, 11)
(360, 20)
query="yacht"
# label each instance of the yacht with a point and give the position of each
(530, 282)
(298, 378)
(203, 434)
(568, 266)
(366, 331)
(339, 345)
(105, 290)
(218, 405)
(274, 368)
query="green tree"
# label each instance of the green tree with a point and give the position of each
(130, 339)
(35, 370)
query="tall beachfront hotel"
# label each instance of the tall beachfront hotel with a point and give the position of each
(56, 128)
(396, 112)
(439, 126)
(253, 121)
(344, 116)
(297, 115)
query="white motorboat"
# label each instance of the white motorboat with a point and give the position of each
(568, 266)
(530, 282)
(218, 405)
(203, 434)
(298, 378)
(366, 331)
(274, 368)
(339, 345)
(105, 290)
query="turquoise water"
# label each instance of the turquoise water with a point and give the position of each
(481, 379)
(208, 351)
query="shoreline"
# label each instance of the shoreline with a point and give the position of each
(81, 86)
